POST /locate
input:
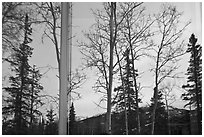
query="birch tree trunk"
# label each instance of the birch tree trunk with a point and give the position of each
(108, 128)
(168, 51)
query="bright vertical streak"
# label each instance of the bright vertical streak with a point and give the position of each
(69, 51)
(64, 67)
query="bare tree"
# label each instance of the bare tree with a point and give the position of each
(123, 88)
(50, 17)
(96, 54)
(136, 34)
(112, 43)
(105, 32)
(169, 98)
(167, 50)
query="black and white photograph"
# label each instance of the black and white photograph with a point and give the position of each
(101, 68)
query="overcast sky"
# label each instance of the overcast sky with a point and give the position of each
(82, 21)
(44, 54)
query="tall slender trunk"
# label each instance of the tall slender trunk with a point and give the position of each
(155, 96)
(128, 89)
(124, 91)
(65, 66)
(108, 126)
(54, 34)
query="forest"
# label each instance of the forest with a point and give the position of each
(115, 48)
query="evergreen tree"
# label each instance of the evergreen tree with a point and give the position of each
(194, 86)
(72, 121)
(50, 116)
(51, 126)
(17, 102)
(129, 94)
(23, 98)
(35, 101)
(160, 119)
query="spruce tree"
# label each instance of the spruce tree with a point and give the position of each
(51, 126)
(35, 101)
(129, 94)
(194, 85)
(23, 98)
(50, 116)
(72, 121)
(17, 102)
(160, 117)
